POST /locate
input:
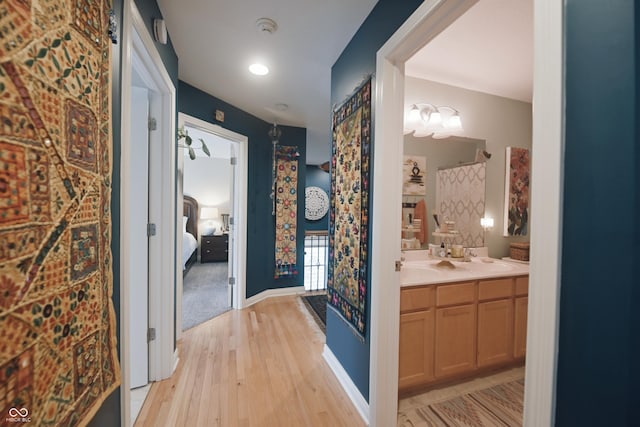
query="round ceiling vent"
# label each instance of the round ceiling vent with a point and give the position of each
(267, 25)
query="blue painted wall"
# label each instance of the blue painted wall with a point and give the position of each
(598, 347)
(357, 61)
(260, 222)
(316, 177)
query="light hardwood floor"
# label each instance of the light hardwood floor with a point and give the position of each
(261, 366)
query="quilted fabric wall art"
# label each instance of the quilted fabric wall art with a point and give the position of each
(58, 357)
(347, 284)
(286, 195)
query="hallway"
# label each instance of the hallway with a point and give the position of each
(261, 366)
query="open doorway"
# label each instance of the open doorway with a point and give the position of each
(469, 114)
(207, 184)
(220, 217)
(428, 20)
(147, 227)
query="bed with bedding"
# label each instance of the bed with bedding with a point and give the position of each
(189, 233)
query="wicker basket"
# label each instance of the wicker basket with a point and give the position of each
(520, 251)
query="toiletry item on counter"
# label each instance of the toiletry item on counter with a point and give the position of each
(457, 251)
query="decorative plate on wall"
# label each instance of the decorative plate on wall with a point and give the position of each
(316, 203)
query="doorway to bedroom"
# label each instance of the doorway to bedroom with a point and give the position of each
(212, 193)
(207, 184)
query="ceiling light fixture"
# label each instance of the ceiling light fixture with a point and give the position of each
(259, 69)
(429, 120)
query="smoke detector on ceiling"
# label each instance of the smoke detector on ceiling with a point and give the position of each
(267, 25)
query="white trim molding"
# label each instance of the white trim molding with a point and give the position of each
(269, 293)
(349, 387)
(239, 228)
(424, 24)
(547, 175)
(139, 53)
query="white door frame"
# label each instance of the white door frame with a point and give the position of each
(239, 238)
(139, 52)
(426, 22)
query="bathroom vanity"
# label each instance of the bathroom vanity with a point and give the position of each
(460, 319)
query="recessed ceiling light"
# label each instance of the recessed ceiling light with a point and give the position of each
(259, 69)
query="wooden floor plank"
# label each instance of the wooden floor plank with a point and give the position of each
(261, 366)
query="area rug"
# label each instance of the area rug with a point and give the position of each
(317, 306)
(204, 293)
(347, 283)
(58, 354)
(500, 405)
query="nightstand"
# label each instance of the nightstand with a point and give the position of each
(214, 248)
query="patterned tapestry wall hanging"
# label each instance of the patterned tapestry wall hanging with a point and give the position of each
(286, 197)
(58, 356)
(460, 197)
(347, 284)
(516, 198)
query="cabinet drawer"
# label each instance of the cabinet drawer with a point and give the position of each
(495, 289)
(522, 285)
(459, 293)
(413, 299)
(215, 241)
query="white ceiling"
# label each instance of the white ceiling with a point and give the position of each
(489, 49)
(217, 40)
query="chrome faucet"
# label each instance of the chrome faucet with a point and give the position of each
(468, 252)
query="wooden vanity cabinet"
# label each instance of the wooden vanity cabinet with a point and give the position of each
(455, 345)
(454, 330)
(495, 321)
(416, 348)
(521, 305)
(416, 336)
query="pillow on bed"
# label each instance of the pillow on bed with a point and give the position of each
(184, 223)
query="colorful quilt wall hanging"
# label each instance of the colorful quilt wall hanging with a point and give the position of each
(58, 354)
(516, 203)
(347, 284)
(286, 210)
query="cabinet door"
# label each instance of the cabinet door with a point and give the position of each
(520, 335)
(495, 332)
(416, 348)
(455, 343)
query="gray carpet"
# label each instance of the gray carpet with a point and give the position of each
(204, 294)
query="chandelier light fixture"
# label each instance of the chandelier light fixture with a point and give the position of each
(430, 120)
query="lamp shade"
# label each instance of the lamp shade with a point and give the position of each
(209, 213)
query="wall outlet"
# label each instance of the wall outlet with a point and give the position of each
(220, 116)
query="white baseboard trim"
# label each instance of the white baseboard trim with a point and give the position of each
(354, 394)
(293, 290)
(176, 360)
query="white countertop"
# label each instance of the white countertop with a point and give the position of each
(429, 271)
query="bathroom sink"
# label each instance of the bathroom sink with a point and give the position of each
(489, 265)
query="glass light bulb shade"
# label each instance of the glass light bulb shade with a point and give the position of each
(259, 69)
(435, 118)
(454, 122)
(414, 114)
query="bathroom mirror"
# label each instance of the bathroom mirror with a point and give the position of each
(460, 162)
